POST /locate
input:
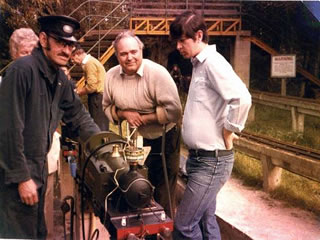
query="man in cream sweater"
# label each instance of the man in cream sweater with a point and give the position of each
(143, 93)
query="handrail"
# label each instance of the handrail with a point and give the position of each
(105, 56)
(89, 2)
(102, 16)
(114, 26)
(3, 69)
(97, 24)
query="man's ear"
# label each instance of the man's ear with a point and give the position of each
(43, 38)
(199, 36)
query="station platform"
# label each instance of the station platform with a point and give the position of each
(248, 214)
(243, 214)
(252, 214)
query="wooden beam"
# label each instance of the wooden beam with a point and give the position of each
(301, 165)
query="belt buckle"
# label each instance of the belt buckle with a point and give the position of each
(216, 153)
(196, 152)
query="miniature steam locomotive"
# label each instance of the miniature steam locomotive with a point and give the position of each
(113, 179)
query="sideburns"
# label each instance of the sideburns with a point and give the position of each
(48, 45)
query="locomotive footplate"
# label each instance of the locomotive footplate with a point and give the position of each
(140, 223)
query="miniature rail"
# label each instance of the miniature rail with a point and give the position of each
(277, 155)
(277, 144)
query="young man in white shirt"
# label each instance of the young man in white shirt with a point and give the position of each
(217, 106)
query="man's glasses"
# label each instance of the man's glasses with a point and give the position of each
(62, 43)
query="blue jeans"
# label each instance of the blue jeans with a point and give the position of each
(195, 218)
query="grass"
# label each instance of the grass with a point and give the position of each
(294, 190)
(277, 124)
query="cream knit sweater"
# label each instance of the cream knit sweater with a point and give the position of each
(150, 90)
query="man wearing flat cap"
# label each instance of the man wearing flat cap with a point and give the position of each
(35, 95)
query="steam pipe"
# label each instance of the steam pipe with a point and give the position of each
(164, 165)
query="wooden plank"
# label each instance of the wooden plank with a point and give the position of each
(301, 165)
(303, 105)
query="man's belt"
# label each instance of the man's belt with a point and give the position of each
(205, 153)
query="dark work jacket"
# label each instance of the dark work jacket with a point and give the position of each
(34, 97)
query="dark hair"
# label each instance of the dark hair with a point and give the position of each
(77, 50)
(187, 24)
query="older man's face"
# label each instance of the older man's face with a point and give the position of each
(129, 55)
(57, 51)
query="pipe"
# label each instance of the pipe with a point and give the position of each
(164, 165)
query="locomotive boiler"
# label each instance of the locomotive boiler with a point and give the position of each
(113, 179)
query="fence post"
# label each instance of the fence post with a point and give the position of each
(297, 120)
(271, 173)
(252, 113)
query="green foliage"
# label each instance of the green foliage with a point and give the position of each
(248, 170)
(22, 13)
(299, 192)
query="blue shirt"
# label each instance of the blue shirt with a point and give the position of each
(217, 99)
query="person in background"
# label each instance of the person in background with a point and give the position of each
(217, 106)
(94, 73)
(66, 70)
(143, 93)
(176, 75)
(34, 96)
(21, 42)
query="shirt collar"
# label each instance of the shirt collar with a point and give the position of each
(204, 54)
(86, 59)
(139, 72)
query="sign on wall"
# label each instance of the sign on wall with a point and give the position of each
(283, 66)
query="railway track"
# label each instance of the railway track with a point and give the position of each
(277, 144)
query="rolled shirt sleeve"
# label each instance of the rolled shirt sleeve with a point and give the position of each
(234, 93)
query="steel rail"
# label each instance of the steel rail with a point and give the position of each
(298, 150)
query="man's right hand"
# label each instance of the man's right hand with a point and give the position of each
(134, 118)
(28, 192)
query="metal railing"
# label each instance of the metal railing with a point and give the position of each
(98, 24)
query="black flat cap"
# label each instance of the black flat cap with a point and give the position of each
(60, 26)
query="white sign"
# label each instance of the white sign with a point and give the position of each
(283, 66)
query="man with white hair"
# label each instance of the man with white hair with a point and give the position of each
(22, 42)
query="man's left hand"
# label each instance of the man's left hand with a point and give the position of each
(229, 137)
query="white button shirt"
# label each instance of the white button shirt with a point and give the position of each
(217, 98)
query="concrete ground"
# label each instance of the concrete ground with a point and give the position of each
(259, 217)
(243, 214)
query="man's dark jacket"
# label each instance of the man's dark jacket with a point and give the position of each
(34, 97)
